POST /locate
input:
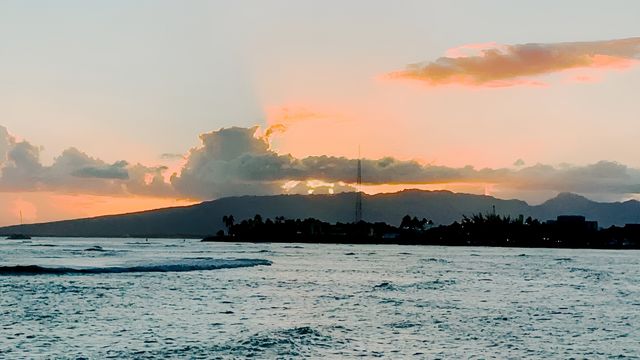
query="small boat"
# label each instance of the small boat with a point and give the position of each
(19, 236)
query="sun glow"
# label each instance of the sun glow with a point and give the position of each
(47, 206)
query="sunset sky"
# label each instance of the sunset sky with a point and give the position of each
(118, 106)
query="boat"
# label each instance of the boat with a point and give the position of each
(19, 236)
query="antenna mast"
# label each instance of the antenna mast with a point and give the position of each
(359, 190)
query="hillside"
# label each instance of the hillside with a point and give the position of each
(443, 207)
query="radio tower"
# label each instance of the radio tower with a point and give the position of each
(359, 190)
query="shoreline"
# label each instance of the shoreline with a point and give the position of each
(215, 239)
(408, 242)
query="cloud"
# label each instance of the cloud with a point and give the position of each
(149, 181)
(6, 142)
(493, 65)
(230, 161)
(237, 161)
(275, 128)
(108, 172)
(171, 156)
(73, 171)
(246, 165)
(519, 163)
(240, 161)
(291, 114)
(117, 170)
(23, 168)
(280, 119)
(601, 177)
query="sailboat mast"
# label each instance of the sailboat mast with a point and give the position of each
(359, 189)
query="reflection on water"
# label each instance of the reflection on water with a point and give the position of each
(169, 298)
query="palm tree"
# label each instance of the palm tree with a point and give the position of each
(406, 222)
(228, 222)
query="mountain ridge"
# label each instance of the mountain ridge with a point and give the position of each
(441, 206)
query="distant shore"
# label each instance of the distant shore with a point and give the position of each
(488, 230)
(477, 230)
(227, 239)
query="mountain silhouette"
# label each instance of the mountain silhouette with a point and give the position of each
(607, 214)
(443, 207)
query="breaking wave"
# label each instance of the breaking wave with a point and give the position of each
(169, 266)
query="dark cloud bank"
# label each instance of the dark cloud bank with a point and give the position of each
(235, 161)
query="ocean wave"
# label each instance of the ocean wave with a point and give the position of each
(283, 343)
(404, 324)
(423, 285)
(170, 266)
(436, 260)
(591, 273)
(287, 343)
(385, 286)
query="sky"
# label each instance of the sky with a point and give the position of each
(119, 106)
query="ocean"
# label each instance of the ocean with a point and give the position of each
(168, 298)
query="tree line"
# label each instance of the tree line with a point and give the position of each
(475, 230)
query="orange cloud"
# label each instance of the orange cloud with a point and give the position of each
(288, 114)
(279, 119)
(275, 128)
(493, 65)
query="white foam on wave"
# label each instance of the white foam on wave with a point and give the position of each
(181, 265)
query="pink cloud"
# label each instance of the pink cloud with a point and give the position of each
(493, 65)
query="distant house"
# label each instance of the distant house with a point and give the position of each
(577, 222)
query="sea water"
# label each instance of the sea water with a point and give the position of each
(137, 298)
